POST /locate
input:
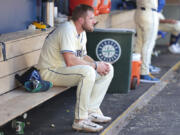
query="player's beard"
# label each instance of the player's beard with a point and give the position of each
(86, 28)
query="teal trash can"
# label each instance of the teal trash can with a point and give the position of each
(114, 46)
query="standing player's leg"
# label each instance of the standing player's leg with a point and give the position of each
(174, 29)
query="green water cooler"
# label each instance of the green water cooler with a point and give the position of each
(114, 46)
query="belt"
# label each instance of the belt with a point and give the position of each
(153, 9)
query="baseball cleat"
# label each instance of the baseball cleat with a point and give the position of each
(87, 126)
(149, 79)
(174, 48)
(98, 118)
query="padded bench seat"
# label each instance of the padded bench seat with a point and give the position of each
(14, 103)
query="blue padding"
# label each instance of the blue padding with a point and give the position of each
(123, 4)
(161, 4)
(162, 34)
(116, 5)
(129, 4)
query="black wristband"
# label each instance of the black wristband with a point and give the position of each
(95, 65)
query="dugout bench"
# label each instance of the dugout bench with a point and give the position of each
(19, 51)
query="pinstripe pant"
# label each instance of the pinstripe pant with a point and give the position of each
(147, 27)
(91, 87)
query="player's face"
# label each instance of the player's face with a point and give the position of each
(89, 21)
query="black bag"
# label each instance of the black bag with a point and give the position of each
(28, 75)
(32, 81)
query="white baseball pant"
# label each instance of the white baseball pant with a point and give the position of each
(91, 86)
(147, 27)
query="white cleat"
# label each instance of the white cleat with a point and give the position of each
(87, 126)
(98, 118)
(174, 48)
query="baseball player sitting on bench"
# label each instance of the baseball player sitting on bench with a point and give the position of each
(146, 19)
(64, 62)
(169, 25)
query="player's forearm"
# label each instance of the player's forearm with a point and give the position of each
(163, 21)
(72, 60)
(78, 61)
(170, 21)
(88, 58)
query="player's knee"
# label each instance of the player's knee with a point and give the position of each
(88, 72)
(111, 72)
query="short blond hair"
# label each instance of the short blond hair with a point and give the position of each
(80, 11)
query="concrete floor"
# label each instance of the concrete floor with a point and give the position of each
(161, 116)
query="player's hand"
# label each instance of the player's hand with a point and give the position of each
(103, 68)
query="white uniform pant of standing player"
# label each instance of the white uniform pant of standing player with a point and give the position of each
(167, 27)
(91, 86)
(147, 27)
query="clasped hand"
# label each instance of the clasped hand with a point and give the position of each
(103, 68)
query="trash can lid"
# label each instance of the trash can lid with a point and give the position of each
(114, 30)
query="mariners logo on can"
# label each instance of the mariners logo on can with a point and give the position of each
(108, 50)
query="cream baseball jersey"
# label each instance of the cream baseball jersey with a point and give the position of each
(63, 39)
